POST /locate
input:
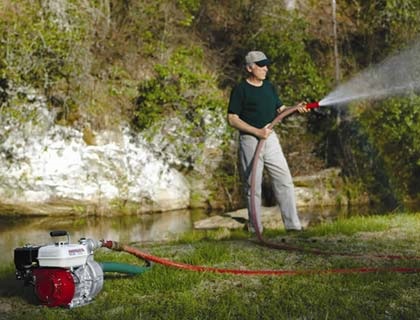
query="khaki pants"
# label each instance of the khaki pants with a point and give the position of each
(272, 158)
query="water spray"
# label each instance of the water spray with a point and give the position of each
(395, 76)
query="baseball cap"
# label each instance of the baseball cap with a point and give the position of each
(257, 57)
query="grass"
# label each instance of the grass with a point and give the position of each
(167, 293)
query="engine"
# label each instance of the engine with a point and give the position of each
(62, 274)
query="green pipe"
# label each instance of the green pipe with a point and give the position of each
(122, 268)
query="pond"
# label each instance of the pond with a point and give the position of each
(157, 227)
(144, 228)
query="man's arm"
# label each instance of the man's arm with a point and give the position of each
(301, 105)
(237, 123)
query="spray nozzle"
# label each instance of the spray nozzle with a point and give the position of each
(312, 105)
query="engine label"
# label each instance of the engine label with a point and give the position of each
(76, 252)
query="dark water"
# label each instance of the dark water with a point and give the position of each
(16, 232)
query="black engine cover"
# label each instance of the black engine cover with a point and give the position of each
(26, 257)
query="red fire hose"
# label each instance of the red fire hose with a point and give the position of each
(179, 265)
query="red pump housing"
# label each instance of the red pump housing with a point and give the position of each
(54, 286)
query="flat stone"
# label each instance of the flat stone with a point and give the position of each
(270, 218)
(217, 222)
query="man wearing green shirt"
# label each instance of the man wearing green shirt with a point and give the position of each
(253, 104)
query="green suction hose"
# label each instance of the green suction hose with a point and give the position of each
(122, 268)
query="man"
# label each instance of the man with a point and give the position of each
(253, 104)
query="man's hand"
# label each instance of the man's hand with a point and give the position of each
(302, 107)
(236, 122)
(263, 133)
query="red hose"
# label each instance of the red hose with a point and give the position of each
(179, 265)
(258, 149)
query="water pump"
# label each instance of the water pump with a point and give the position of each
(62, 274)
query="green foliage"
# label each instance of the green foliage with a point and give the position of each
(373, 29)
(282, 38)
(402, 19)
(351, 149)
(190, 9)
(181, 88)
(39, 49)
(392, 126)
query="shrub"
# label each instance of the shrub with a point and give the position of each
(182, 87)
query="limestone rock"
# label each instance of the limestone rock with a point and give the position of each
(270, 218)
(216, 222)
(43, 162)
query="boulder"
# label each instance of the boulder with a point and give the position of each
(270, 216)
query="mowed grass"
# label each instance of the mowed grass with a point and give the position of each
(169, 293)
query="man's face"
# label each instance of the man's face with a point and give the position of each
(258, 72)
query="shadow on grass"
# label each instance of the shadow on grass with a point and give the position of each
(10, 287)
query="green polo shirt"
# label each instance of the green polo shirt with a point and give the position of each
(256, 106)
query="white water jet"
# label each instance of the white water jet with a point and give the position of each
(396, 75)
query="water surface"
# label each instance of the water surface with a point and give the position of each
(157, 227)
(16, 232)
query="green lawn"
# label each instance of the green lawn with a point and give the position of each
(168, 293)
